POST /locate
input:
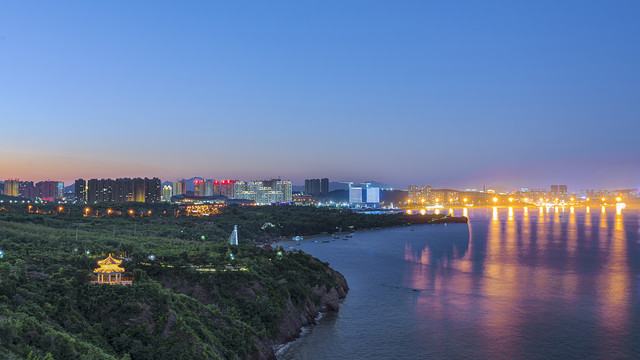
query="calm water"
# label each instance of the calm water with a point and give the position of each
(509, 285)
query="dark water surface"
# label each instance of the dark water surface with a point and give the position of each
(511, 284)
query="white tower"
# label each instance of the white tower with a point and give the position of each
(233, 239)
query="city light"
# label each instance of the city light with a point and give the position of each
(495, 200)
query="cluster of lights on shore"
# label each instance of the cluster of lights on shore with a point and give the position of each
(541, 203)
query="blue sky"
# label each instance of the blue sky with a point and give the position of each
(448, 93)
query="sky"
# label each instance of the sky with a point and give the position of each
(461, 94)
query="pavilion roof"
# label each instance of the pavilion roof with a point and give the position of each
(109, 265)
(109, 261)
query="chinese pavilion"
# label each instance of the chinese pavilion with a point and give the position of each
(110, 272)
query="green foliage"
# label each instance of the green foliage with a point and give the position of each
(191, 302)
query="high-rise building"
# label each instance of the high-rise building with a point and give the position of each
(81, 190)
(179, 188)
(355, 195)
(123, 190)
(216, 189)
(59, 190)
(167, 192)
(207, 187)
(287, 191)
(238, 188)
(48, 190)
(419, 192)
(12, 187)
(324, 186)
(227, 188)
(562, 189)
(373, 195)
(27, 190)
(99, 191)
(312, 187)
(139, 194)
(153, 190)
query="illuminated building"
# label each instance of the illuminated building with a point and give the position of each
(215, 190)
(227, 188)
(373, 195)
(207, 187)
(355, 195)
(138, 192)
(11, 187)
(50, 190)
(167, 192)
(558, 191)
(419, 192)
(279, 191)
(287, 191)
(247, 195)
(60, 190)
(238, 188)
(196, 188)
(81, 190)
(179, 188)
(110, 272)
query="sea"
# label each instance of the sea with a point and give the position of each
(513, 283)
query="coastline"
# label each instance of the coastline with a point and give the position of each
(441, 220)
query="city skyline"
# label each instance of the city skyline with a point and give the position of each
(460, 95)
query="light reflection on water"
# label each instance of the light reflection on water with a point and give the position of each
(510, 284)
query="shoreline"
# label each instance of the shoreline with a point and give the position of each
(442, 220)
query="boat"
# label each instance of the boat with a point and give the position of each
(325, 241)
(298, 238)
(336, 236)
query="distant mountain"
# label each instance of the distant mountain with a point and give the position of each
(70, 188)
(382, 186)
(335, 185)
